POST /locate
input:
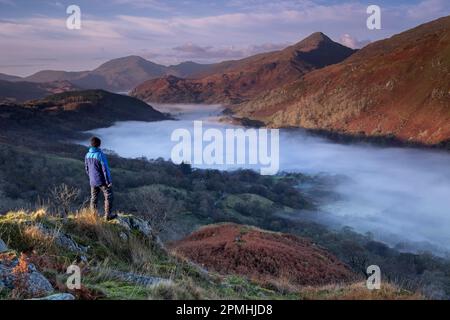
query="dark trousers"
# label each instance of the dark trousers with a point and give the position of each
(107, 194)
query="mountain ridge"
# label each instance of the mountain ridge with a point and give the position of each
(393, 87)
(120, 74)
(239, 80)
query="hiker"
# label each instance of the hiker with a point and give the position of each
(99, 177)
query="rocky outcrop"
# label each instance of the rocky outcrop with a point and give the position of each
(61, 239)
(14, 274)
(132, 223)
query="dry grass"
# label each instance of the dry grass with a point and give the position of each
(358, 291)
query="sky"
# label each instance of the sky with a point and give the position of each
(34, 36)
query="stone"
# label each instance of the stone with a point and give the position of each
(36, 284)
(63, 240)
(130, 223)
(142, 280)
(57, 297)
(133, 223)
(3, 247)
(123, 236)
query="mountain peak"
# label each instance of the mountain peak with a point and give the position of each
(313, 41)
(318, 36)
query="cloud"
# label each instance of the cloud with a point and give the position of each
(190, 50)
(429, 8)
(152, 4)
(210, 53)
(207, 33)
(352, 42)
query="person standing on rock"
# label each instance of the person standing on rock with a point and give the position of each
(99, 177)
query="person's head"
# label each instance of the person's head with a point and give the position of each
(96, 142)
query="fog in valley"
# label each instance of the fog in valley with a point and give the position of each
(398, 194)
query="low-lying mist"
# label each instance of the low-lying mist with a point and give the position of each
(398, 194)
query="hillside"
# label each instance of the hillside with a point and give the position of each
(124, 259)
(177, 202)
(236, 81)
(73, 112)
(120, 74)
(7, 77)
(265, 257)
(395, 87)
(20, 91)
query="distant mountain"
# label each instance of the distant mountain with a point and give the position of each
(50, 76)
(120, 74)
(189, 69)
(240, 80)
(21, 91)
(395, 87)
(7, 77)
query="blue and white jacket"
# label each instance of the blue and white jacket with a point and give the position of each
(97, 168)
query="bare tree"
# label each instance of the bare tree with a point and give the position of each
(154, 206)
(63, 198)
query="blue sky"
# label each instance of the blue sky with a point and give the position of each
(33, 35)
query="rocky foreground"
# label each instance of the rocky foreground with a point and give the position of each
(124, 259)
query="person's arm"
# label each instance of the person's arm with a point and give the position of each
(105, 168)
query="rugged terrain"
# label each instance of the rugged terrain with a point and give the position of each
(395, 87)
(238, 81)
(124, 259)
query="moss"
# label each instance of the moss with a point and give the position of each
(116, 290)
(241, 288)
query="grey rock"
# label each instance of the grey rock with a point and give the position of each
(36, 284)
(57, 297)
(130, 223)
(3, 247)
(63, 240)
(133, 223)
(142, 280)
(123, 236)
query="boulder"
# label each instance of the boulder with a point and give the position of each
(3, 247)
(133, 223)
(130, 223)
(36, 284)
(63, 240)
